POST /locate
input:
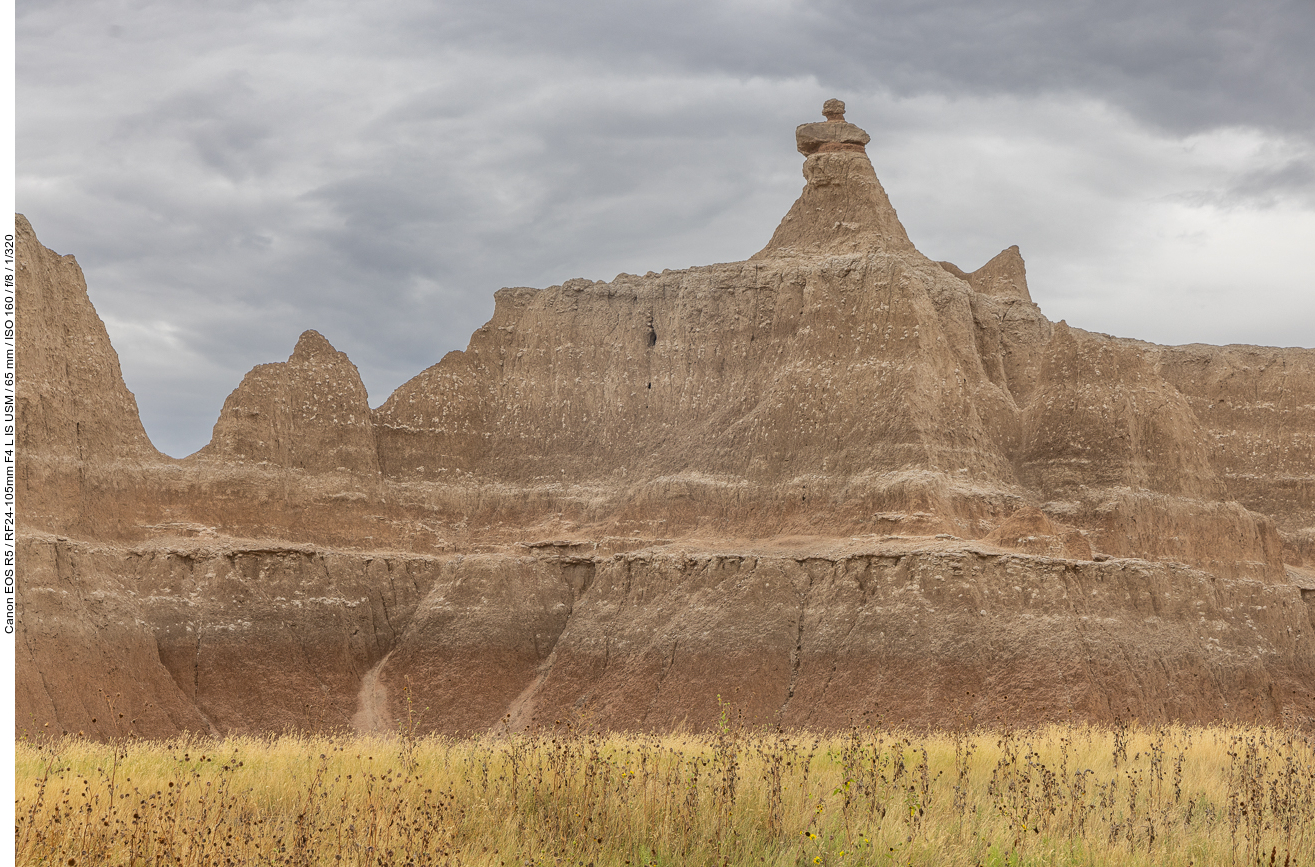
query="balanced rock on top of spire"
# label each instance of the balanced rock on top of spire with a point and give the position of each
(833, 135)
(844, 208)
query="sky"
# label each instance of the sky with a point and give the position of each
(230, 174)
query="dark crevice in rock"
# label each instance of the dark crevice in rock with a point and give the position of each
(797, 652)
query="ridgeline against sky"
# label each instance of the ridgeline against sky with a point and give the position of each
(230, 174)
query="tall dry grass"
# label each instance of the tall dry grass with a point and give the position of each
(1070, 795)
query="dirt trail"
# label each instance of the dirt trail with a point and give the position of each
(372, 715)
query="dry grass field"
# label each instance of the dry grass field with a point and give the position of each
(1076, 795)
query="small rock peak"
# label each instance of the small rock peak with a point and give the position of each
(833, 135)
(1005, 276)
(310, 345)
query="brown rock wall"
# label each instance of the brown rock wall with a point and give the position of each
(250, 639)
(479, 637)
(655, 638)
(742, 383)
(240, 639)
(1257, 408)
(1101, 417)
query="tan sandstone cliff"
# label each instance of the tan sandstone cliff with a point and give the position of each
(834, 481)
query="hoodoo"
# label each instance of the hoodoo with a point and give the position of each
(833, 482)
(844, 208)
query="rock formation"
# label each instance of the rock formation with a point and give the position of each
(833, 482)
(309, 413)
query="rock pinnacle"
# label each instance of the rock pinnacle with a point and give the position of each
(843, 208)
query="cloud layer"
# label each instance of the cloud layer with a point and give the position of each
(230, 174)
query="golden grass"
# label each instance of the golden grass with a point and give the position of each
(1070, 795)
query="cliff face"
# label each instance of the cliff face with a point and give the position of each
(78, 426)
(746, 378)
(836, 479)
(1256, 406)
(250, 638)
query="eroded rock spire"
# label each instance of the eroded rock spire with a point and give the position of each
(843, 208)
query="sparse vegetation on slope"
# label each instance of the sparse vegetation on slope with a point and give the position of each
(1056, 795)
